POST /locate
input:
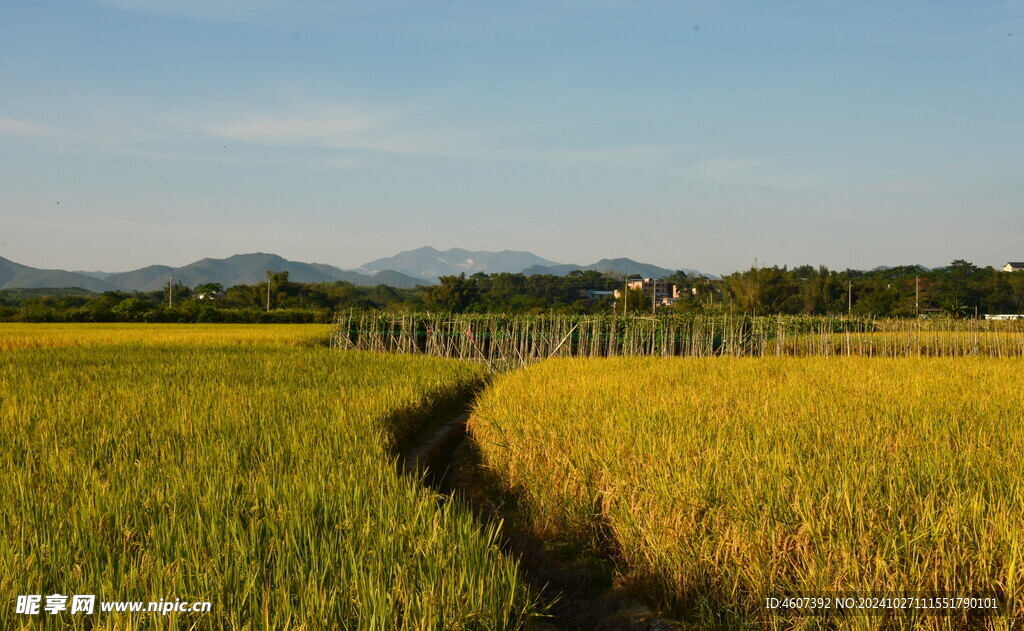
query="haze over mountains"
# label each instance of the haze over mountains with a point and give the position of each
(14, 275)
(620, 266)
(241, 269)
(428, 263)
(406, 269)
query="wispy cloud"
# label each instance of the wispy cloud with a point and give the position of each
(241, 10)
(631, 155)
(345, 129)
(340, 127)
(392, 130)
(17, 127)
(141, 138)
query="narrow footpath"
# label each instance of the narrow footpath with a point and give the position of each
(577, 585)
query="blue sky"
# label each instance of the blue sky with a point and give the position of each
(703, 135)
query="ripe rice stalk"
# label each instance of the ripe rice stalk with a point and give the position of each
(223, 464)
(723, 480)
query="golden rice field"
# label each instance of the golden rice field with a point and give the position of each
(215, 463)
(22, 335)
(717, 482)
(920, 342)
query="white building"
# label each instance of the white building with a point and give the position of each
(664, 294)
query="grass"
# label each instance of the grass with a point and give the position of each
(716, 482)
(216, 463)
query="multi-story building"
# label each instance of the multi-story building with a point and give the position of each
(664, 293)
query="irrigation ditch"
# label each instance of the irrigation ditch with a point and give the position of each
(576, 584)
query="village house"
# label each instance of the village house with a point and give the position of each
(664, 294)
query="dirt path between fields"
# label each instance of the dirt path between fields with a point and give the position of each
(577, 584)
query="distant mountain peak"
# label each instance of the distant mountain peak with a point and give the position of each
(620, 265)
(429, 263)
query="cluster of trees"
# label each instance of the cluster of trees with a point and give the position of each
(286, 301)
(516, 293)
(960, 290)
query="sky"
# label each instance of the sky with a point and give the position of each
(710, 135)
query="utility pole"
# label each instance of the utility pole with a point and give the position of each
(268, 290)
(170, 290)
(917, 295)
(625, 296)
(654, 294)
(849, 296)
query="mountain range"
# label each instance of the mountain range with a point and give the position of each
(407, 269)
(241, 269)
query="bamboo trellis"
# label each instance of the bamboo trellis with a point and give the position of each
(504, 341)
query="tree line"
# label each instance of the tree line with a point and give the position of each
(960, 289)
(278, 299)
